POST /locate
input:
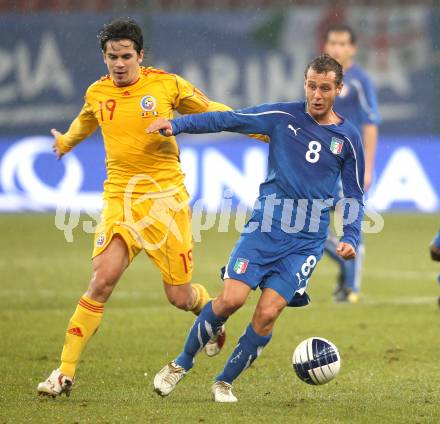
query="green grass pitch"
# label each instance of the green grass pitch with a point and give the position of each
(389, 343)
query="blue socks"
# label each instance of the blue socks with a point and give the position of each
(248, 349)
(205, 326)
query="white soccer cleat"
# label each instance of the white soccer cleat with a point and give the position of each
(167, 378)
(56, 385)
(216, 343)
(222, 392)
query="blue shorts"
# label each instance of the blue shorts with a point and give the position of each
(274, 260)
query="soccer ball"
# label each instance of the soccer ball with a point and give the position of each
(316, 361)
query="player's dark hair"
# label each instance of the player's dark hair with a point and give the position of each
(325, 63)
(341, 28)
(121, 29)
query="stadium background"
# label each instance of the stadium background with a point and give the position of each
(241, 53)
(239, 56)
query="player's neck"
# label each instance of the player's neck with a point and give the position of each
(133, 81)
(330, 118)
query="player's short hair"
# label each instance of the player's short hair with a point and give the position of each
(325, 63)
(341, 28)
(121, 29)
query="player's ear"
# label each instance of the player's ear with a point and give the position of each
(140, 56)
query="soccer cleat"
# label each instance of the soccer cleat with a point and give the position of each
(222, 392)
(346, 296)
(341, 295)
(216, 343)
(56, 385)
(167, 378)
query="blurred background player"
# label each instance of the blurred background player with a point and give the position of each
(358, 103)
(434, 250)
(146, 205)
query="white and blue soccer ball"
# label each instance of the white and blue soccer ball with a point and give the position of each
(316, 361)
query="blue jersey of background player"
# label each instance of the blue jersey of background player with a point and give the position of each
(434, 250)
(358, 103)
(310, 148)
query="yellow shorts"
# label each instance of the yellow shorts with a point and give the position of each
(159, 225)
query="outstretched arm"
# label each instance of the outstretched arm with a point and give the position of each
(81, 127)
(190, 100)
(260, 119)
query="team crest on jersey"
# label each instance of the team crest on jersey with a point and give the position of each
(241, 265)
(336, 145)
(148, 103)
(100, 240)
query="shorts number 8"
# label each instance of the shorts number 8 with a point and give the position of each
(308, 265)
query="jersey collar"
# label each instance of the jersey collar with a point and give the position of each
(324, 125)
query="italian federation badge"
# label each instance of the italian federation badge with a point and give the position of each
(336, 145)
(241, 265)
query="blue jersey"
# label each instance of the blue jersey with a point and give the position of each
(358, 101)
(436, 241)
(305, 161)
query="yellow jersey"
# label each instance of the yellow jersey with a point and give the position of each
(149, 162)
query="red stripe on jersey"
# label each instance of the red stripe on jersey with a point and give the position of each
(146, 71)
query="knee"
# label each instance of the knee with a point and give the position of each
(102, 284)
(180, 296)
(266, 316)
(181, 302)
(227, 304)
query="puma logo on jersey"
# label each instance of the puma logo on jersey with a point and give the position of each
(295, 130)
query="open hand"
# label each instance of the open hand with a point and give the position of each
(56, 148)
(161, 124)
